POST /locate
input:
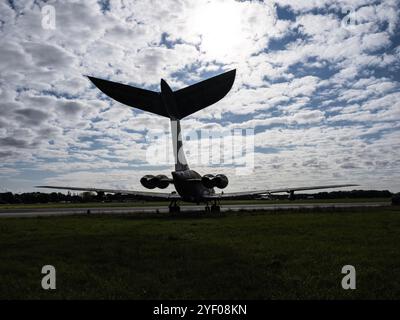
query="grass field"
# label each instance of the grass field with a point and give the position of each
(165, 203)
(286, 255)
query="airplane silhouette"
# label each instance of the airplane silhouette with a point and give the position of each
(190, 186)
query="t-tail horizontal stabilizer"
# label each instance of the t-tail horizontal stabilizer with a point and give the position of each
(167, 103)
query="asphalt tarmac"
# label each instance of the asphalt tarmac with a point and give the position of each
(187, 208)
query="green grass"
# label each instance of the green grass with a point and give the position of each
(165, 203)
(282, 255)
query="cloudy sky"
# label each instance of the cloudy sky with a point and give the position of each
(317, 81)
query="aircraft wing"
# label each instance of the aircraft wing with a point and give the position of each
(246, 194)
(140, 195)
(203, 94)
(145, 100)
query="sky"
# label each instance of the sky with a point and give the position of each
(316, 81)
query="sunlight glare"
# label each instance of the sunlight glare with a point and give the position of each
(220, 26)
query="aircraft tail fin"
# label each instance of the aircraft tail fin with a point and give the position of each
(177, 143)
(203, 94)
(145, 100)
(186, 101)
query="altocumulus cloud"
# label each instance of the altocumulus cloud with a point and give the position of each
(322, 95)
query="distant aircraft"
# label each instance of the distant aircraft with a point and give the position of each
(189, 185)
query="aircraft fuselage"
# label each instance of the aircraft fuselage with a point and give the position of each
(189, 186)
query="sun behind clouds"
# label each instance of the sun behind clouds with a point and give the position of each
(228, 29)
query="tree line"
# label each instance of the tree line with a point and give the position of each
(58, 197)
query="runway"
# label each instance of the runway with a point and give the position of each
(7, 213)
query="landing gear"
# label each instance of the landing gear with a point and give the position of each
(215, 208)
(173, 207)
